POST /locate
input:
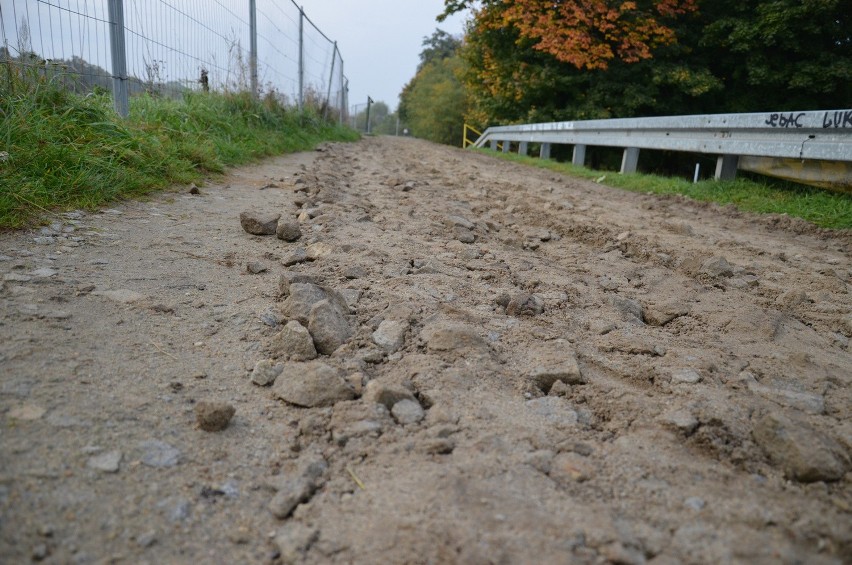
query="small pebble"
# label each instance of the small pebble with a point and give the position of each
(213, 416)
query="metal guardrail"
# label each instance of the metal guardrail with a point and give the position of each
(824, 135)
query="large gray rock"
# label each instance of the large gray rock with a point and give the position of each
(288, 230)
(259, 223)
(311, 385)
(390, 335)
(294, 342)
(387, 394)
(329, 326)
(407, 412)
(302, 297)
(290, 277)
(629, 309)
(456, 339)
(717, 267)
(565, 369)
(803, 453)
(298, 255)
(266, 371)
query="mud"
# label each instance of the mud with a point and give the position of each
(533, 369)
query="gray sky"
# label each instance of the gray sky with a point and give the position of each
(380, 40)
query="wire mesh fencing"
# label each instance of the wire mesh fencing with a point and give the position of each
(169, 47)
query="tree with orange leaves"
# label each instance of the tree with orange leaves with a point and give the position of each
(587, 34)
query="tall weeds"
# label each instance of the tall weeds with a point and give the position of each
(60, 150)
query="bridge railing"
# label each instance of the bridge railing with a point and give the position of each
(738, 139)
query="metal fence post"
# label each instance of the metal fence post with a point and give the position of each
(330, 79)
(253, 46)
(119, 57)
(301, 58)
(369, 103)
(544, 151)
(346, 95)
(342, 89)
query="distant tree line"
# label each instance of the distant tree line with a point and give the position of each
(536, 60)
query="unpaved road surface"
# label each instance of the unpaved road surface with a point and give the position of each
(509, 366)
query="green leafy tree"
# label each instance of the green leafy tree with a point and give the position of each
(433, 104)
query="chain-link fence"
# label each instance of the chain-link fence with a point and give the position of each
(167, 47)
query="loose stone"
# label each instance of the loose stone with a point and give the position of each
(258, 223)
(407, 412)
(265, 372)
(294, 342)
(213, 416)
(288, 230)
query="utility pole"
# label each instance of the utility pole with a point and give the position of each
(119, 57)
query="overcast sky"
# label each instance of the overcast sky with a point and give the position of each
(380, 40)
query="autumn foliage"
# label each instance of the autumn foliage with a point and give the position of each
(584, 33)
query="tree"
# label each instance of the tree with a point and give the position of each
(439, 45)
(728, 56)
(433, 103)
(584, 33)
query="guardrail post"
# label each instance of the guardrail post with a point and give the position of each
(629, 160)
(507, 146)
(544, 152)
(493, 145)
(523, 147)
(726, 167)
(579, 158)
(119, 57)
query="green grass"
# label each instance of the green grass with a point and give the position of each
(64, 151)
(821, 207)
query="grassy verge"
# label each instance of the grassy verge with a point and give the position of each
(64, 151)
(821, 207)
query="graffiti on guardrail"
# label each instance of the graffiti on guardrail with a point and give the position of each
(791, 120)
(842, 119)
(830, 120)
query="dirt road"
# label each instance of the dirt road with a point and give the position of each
(459, 360)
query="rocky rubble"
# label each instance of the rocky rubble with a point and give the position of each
(412, 354)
